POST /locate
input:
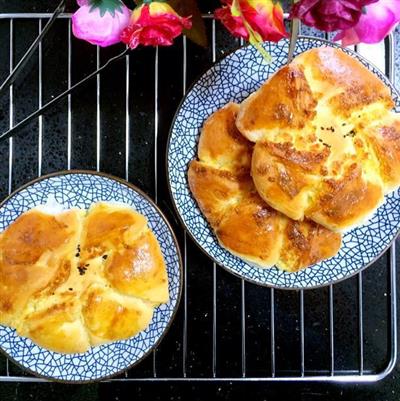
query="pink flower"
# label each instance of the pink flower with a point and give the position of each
(154, 24)
(329, 15)
(374, 25)
(100, 22)
(262, 16)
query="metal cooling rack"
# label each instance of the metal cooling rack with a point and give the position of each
(185, 355)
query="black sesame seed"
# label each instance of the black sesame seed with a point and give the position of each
(351, 133)
(105, 257)
(82, 270)
(87, 265)
(77, 255)
(70, 289)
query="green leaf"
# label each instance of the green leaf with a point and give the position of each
(197, 33)
(106, 6)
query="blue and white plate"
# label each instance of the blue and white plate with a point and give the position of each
(81, 189)
(233, 79)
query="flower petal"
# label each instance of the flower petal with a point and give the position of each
(329, 15)
(233, 24)
(89, 25)
(262, 16)
(154, 24)
(378, 21)
(349, 37)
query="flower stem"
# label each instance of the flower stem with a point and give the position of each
(267, 57)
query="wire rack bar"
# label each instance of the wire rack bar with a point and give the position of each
(185, 299)
(156, 106)
(11, 123)
(11, 108)
(243, 305)
(302, 366)
(360, 323)
(243, 326)
(214, 329)
(331, 332)
(98, 111)
(272, 329)
(69, 99)
(127, 117)
(127, 126)
(40, 103)
(69, 15)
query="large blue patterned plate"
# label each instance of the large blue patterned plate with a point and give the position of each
(81, 189)
(233, 79)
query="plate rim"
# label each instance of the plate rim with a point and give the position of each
(171, 194)
(180, 263)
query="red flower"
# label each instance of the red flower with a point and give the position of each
(233, 24)
(263, 17)
(154, 24)
(329, 15)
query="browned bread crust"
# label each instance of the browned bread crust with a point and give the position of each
(327, 143)
(243, 223)
(70, 281)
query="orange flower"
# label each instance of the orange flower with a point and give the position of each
(259, 18)
(154, 24)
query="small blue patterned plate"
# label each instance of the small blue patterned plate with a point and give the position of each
(81, 189)
(233, 79)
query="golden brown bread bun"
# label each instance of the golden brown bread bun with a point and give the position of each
(69, 282)
(134, 263)
(36, 251)
(244, 224)
(327, 143)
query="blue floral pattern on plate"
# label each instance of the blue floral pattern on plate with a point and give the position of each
(81, 189)
(233, 79)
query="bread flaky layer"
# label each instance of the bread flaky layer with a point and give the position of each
(242, 221)
(327, 143)
(72, 280)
